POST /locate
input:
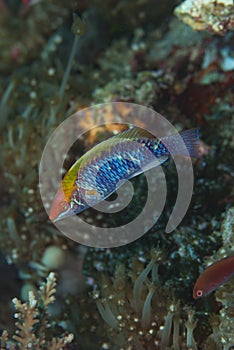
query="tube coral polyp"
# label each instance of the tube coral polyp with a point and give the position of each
(135, 311)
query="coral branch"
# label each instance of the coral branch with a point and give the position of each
(32, 322)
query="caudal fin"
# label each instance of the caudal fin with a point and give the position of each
(190, 145)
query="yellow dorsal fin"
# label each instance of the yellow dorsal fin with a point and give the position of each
(134, 133)
(125, 136)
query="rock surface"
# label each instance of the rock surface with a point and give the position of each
(216, 16)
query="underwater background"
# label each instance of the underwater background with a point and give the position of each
(58, 57)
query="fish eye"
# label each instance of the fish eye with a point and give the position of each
(63, 206)
(199, 293)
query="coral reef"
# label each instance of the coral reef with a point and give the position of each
(136, 315)
(225, 323)
(216, 16)
(35, 23)
(137, 296)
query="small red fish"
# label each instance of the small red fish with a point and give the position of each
(213, 277)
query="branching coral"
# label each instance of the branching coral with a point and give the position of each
(33, 322)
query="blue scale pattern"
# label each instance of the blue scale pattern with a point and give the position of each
(112, 171)
(156, 147)
(120, 162)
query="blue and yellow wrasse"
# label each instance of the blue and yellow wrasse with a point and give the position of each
(104, 168)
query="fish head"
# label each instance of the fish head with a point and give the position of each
(60, 207)
(198, 293)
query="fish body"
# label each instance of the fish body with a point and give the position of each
(104, 168)
(30, 2)
(213, 277)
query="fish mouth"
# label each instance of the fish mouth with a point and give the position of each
(61, 216)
